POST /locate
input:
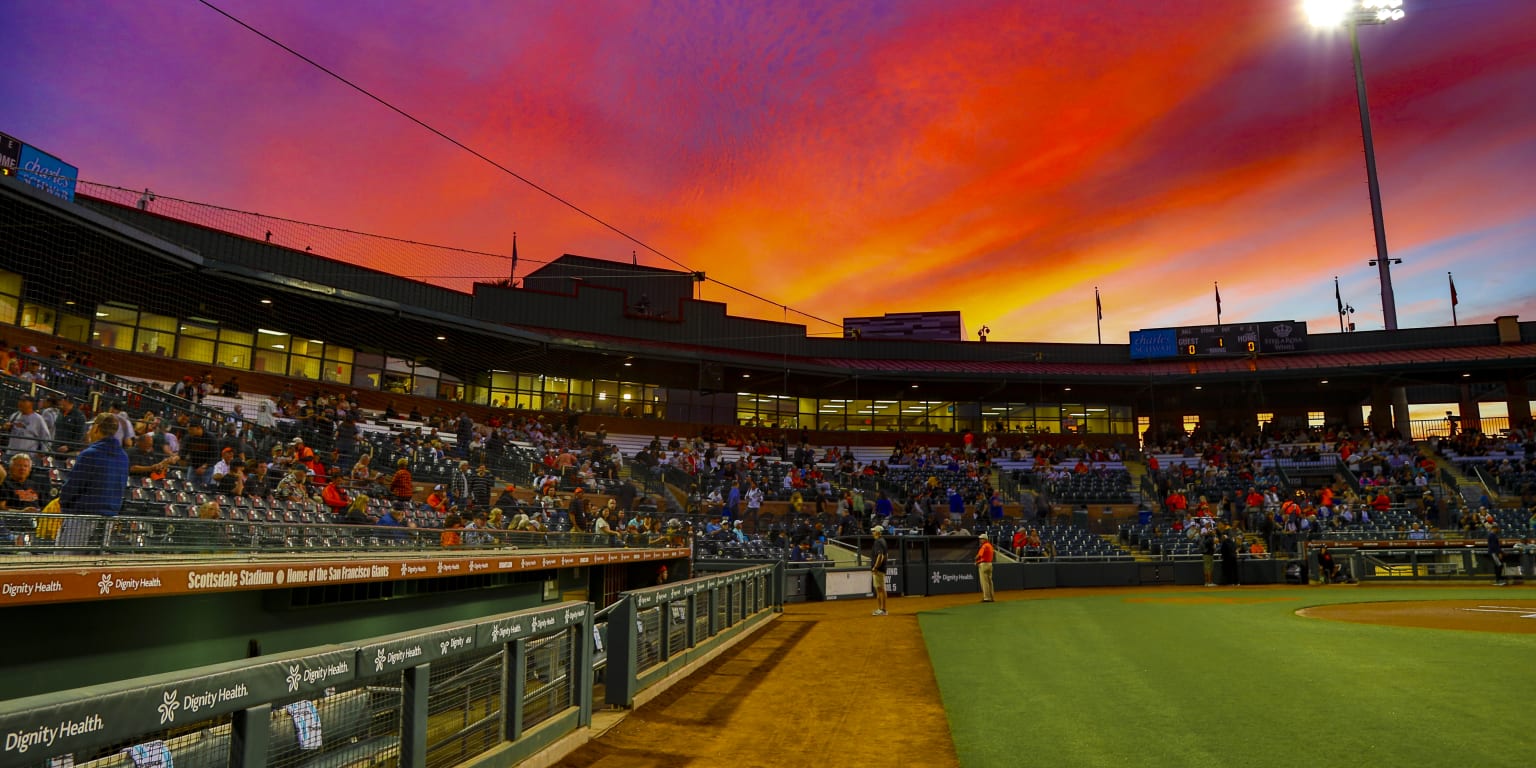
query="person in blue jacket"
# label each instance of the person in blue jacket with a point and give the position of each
(95, 486)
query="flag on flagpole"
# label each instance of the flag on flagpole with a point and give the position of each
(1454, 300)
(1098, 304)
(1218, 299)
(1338, 297)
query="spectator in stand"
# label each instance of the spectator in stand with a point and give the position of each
(96, 485)
(27, 428)
(293, 486)
(335, 497)
(480, 485)
(458, 486)
(507, 499)
(125, 430)
(199, 453)
(69, 427)
(438, 499)
(451, 536)
(24, 489)
(258, 481)
(357, 511)
(401, 486)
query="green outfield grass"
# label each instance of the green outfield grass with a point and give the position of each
(1123, 679)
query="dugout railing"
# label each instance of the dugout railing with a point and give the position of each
(508, 684)
(491, 692)
(1424, 560)
(655, 632)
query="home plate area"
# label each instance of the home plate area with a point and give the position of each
(1475, 615)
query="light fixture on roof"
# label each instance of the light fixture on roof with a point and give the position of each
(1466, 375)
(746, 375)
(914, 386)
(1324, 381)
(1066, 389)
(266, 301)
(442, 338)
(1198, 387)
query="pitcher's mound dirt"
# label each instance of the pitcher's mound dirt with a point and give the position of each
(1476, 615)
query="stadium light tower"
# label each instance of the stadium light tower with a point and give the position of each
(1332, 14)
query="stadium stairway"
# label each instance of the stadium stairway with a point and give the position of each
(1470, 486)
(1137, 469)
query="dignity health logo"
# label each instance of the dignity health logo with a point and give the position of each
(104, 583)
(294, 677)
(168, 707)
(940, 578)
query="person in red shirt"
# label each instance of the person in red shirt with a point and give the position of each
(1020, 537)
(984, 557)
(1381, 503)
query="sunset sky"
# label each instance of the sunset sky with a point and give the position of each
(854, 158)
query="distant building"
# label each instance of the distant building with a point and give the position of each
(649, 291)
(929, 326)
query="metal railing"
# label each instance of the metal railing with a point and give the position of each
(426, 698)
(454, 694)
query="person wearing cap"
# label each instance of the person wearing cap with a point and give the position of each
(1496, 554)
(877, 555)
(438, 499)
(985, 554)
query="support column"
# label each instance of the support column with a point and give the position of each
(1400, 418)
(1381, 409)
(1471, 420)
(1519, 402)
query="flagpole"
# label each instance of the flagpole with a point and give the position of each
(1339, 297)
(1098, 310)
(512, 276)
(1452, 280)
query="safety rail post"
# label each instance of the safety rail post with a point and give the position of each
(249, 737)
(414, 685)
(514, 687)
(582, 674)
(623, 659)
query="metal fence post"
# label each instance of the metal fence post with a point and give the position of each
(413, 716)
(514, 687)
(249, 731)
(585, 652)
(622, 659)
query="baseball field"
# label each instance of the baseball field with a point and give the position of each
(1188, 676)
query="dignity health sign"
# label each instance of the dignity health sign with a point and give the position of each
(38, 168)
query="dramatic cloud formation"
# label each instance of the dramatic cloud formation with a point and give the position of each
(1001, 158)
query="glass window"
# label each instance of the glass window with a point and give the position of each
(338, 364)
(112, 336)
(304, 367)
(1315, 418)
(41, 319)
(10, 283)
(72, 327)
(118, 314)
(154, 342)
(197, 343)
(231, 336)
(234, 356)
(9, 306)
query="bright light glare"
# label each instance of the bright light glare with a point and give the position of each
(1328, 13)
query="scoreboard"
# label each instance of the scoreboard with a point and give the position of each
(1219, 340)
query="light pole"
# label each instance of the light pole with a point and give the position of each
(1351, 14)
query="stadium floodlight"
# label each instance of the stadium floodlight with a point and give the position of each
(1332, 14)
(1351, 14)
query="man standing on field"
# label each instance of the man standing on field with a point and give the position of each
(984, 557)
(877, 568)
